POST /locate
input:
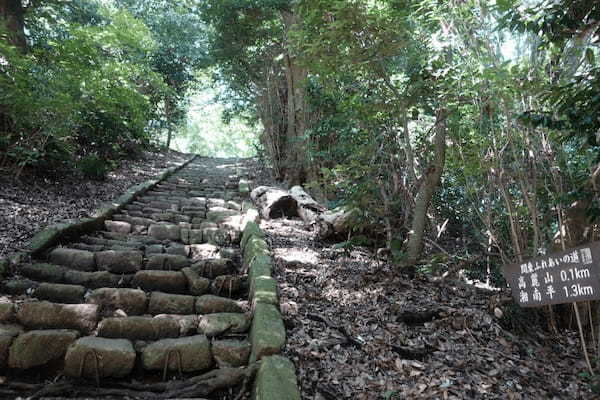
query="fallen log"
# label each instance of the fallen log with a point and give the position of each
(308, 208)
(274, 202)
(336, 222)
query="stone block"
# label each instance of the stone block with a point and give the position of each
(138, 328)
(118, 226)
(116, 357)
(195, 354)
(36, 348)
(119, 262)
(77, 259)
(215, 324)
(231, 353)
(163, 303)
(165, 232)
(165, 281)
(167, 262)
(131, 301)
(267, 334)
(276, 380)
(197, 284)
(46, 315)
(60, 293)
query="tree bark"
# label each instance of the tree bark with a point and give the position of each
(295, 168)
(431, 181)
(12, 16)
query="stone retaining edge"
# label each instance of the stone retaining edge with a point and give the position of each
(276, 376)
(57, 233)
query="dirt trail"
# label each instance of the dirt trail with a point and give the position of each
(358, 330)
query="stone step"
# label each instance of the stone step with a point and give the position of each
(48, 315)
(90, 355)
(140, 328)
(58, 274)
(191, 354)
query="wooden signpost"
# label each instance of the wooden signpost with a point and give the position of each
(566, 277)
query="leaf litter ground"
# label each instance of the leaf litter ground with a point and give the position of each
(359, 330)
(34, 202)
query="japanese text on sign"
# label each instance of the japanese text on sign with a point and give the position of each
(565, 277)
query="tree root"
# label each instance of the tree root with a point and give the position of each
(195, 387)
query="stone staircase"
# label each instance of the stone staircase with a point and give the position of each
(159, 290)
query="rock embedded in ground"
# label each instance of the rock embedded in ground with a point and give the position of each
(96, 280)
(44, 272)
(138, 328)
(47, 315)
(216, 236)
(39, 347)
(276, 380)
(188, 324)
(168, 262)
(197, 284)
(119, 262)
(231, 353)
(7, 311)
(227, 285)
(168, 281)
(165, 232)
(80, 260)
(211, 304)
(132, 301)
(195, 353)
(7, 335)
(164, 303)
(118, 226)
(267, 334)
(18, 287)
(211, 268)
(216, 324)
(116, 357)
(60, 293)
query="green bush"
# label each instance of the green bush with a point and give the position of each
(94, 167)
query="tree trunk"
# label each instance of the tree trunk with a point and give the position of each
(295, 168)
(12, 15)
(431, 181)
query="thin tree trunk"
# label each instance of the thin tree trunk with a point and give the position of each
(430, 183)
(12, 15)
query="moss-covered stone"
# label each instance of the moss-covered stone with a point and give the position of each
(261, 265)
(276, 380)
(267, 334)
(253, 248)
(195, 353)
(215, 324)
(251, 229)
(36, 348)
(44, 272)
(263, 289)
(244, 187)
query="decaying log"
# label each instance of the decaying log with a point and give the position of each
(334, 222)
(308, 208)
(273, 202)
